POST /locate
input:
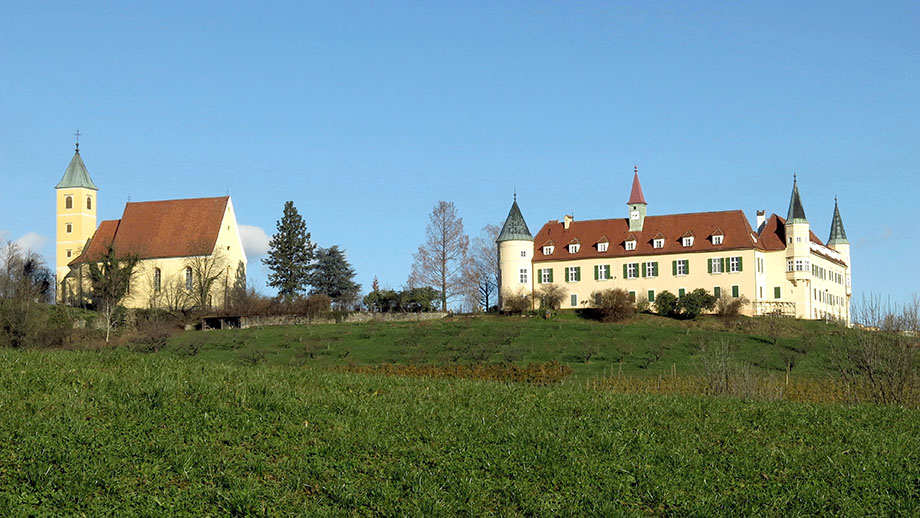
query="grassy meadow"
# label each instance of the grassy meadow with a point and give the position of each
(291, 421)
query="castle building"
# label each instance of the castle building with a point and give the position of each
(180, 244)
(782, 267)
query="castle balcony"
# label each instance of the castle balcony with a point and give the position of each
(798, 269)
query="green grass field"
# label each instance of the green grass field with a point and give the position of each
(247, 423)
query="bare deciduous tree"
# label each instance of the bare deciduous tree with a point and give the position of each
(110, 279)
(206, 274)
(439, 261)
(481, 270)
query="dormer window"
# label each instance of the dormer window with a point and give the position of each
(717, 239)
(658, 242)
(548, 250)
(602, 247)
(573, 248)
(687, 241)
(631, 244)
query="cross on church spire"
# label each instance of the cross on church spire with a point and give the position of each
(77, 134)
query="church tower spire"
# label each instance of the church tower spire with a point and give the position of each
(637, 205)
(76, 216)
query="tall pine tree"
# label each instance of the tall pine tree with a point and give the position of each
(290, 254)
(333, 276)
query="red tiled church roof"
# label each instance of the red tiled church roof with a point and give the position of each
(736, 229)
(159, 229)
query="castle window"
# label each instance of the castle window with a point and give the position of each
(156, 279)
(631, 270)
(89, 203)
(574, 300)
(68, 202)
(546, 275)
(734, 264)
(602, 247)
(716, 265)
(68, 228)
(573, 248)
(574, 273)
(523, 275)
(658, 243)
(603, 272)
(651, 296)
(687, 241)
(631, 244)
(736, 291)
(681, 267)
(717, 292)
(523, 252)
(790, 265)
(188, 278)
(717, 240)
(548, 250)
(650, 269)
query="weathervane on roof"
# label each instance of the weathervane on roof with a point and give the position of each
(515, 193)
(636, 169)
(77, 134)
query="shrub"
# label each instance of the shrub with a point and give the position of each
(730, 306)
(642, 304)
(613, 305)
(517, 302)
(314, 306)
(666, 304)
(551, 296)
(693, 303)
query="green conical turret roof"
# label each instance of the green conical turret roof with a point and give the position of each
(76, 174)
(796, 212)
(838, 234)
(515, 228)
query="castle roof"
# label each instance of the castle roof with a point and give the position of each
(635, 195)
(515, 228)
(796, 213)
(76, 175)
(160, 229)
(838, 234)
(736, 229)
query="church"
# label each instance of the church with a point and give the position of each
(781, 267)
(189, 251)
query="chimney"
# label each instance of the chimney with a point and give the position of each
(761, 219)
(566, 221)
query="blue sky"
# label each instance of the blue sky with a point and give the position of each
(365, 114)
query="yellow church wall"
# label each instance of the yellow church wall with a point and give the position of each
(697, 277)
(82, 221)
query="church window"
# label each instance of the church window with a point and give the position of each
(68, 227)
(157, 276)
(69, 253)
(89, 203)
(602, 247)
(68, 202)
(188, 278)
(631, 244)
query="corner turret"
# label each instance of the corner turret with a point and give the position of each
(798, 238)
(515, 253)
(838, 241)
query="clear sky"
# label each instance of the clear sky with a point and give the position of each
(365, 114)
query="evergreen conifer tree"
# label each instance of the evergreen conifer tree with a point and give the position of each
(290, 254)
(333, 276)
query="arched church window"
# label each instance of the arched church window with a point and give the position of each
(156, 279)
(188, 278)
(89, 203)
(68, 227)
(68, 202)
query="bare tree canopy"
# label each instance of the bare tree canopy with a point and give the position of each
(481, 272)
(440, 260)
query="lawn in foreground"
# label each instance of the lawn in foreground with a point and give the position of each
(123, 434)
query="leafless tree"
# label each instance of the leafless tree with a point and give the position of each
(439, 261)
(481, 269)
(111, 280)
(206, 274)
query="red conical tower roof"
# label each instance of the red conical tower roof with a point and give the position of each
(636, 195)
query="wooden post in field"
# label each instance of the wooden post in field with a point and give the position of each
(674, 370)
(787, 374)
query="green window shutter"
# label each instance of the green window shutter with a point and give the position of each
(595, 272)
(577, 273)
(717, 291)
(624, 270)
(656, 268)
(644, 273)
(673, 267)
(709, 265)
(681, 292)
(539, 276)
(735, 291)
(550, 275)
(739, 264)
(687, 266)
(651, 295)
(610, 271)
(776, 292)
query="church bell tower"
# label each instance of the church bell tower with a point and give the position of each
(76, 216)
